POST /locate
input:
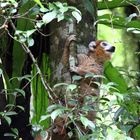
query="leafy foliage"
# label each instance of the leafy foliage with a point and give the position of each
(115, 3)
(118, 113)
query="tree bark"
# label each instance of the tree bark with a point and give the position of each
(85, 31)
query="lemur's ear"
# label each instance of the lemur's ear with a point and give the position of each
(92, 45)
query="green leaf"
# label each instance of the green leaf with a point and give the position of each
(60, 17)
(71, 87)
(77, 15)
(76, 77)
(22, 92)
(52, 107)
(22, 38)
(13, 10)
(1, 72)
(52, 6)
(39, 3)
(117, 21)
(60, 84)
(14, 3)
(131, 17)
(20, 107)
(30, 42)
(30, 32)
(133, 30)
(137, 131)
(27, 77)
(63, 9)
(92, 75)
(89, 6)
(39, 24)
(10, 135)
(114, 4)
(10, 113)
(10, 105)
(86, 122)
(40, 96)
(44, 117)
(56, 113)
(58, 4)
(24, 2)
(113, 75)
(118, 113)
(48, 17)
(8, 119)
(15, 131)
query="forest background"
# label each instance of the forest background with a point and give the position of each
(32, 36)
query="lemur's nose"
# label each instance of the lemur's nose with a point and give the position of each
(112, 49)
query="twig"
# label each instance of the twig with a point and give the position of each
(4, 24)
(47, 87)
(27, 50)
(24, 14)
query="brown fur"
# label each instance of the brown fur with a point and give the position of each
(92, 62)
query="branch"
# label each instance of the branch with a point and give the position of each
(45, 84)
(4, 25)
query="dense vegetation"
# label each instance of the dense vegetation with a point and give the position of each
(26, 85)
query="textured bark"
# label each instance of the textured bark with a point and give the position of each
(85, 32)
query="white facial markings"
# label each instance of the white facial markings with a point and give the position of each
(105, 45)
(92, 45)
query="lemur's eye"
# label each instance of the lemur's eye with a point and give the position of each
(104, 44)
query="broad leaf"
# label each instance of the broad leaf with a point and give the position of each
(44, 117)
(39, 3)
(53, 107)
(86, 122)
(76, 77)
(30, 42)
(118, 22)
(8, 119)
(48, 17)
(15, 131)
(60, 84)
(89, 6)
(77, 16)
(20, 91)
(30, 32)
(114, 4)
(71, 87)
(10, 113)
(113, 75)
(20, 107)
(56, 113)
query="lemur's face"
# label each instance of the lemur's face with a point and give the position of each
(103, 44)
(107, 47)
(102, 49)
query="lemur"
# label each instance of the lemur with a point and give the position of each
(98, 53)
(92, 62)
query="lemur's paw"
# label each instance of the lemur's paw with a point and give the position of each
(71, 38)
(73, 69)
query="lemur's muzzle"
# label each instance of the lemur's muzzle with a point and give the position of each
(112, 49)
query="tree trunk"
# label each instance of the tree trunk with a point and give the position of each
(85, 31)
